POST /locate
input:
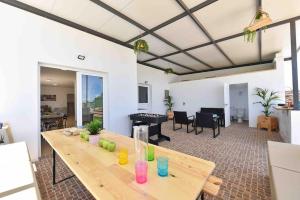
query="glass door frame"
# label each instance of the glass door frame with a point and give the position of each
(78, 99)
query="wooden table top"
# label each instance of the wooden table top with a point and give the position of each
(101, 174)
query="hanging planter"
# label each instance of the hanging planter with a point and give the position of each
(169, 71)
(140, 46)
(260, 21)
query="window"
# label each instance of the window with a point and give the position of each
(143, 94)
(92, 98)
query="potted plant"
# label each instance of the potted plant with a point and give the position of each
(169, 104)
(140, 46)
(267, 99)
(260, 21)
(94, 128)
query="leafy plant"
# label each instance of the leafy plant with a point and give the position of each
(250, 33)
(94, 126)
(267, 99)
(140, 46)
(169, 71)
(169, 103)
(249, 36)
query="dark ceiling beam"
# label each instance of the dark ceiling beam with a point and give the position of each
(133, 22)
(179, 49)
(224, 39)
(230, 67)
(173, 62)
(203, 29)
(258, 6)
(170, 21)
(155, 67)
(63, 21)
(236, 66)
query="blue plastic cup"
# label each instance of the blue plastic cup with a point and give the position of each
(162, 166)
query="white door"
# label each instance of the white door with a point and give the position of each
(90, 102)
(226, 104)
(144, 98)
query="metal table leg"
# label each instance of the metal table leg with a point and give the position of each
(54, 170)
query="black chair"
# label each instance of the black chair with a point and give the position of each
(180, 117)
(217, 111)
(206, 120)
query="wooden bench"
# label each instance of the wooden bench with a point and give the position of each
(212, 186)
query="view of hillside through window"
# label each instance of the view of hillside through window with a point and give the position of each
(92, 98)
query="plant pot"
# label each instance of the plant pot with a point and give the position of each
(270, 123)
(170, 115)
(93, 139)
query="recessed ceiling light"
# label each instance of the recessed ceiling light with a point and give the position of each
(55, 84)
(48, 80)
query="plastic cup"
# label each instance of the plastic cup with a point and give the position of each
(150, 153)
(141, 168)
(123, 156)
(162, 166)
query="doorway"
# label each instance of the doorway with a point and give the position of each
(57, 108)
(239, 104)
(83, 101)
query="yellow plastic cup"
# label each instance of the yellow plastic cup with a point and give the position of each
(123, 156)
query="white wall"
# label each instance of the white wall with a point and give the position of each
(210, 93)
(27, 39)
(61, 95)
(159, 82)
(238, 99)
(295, 126)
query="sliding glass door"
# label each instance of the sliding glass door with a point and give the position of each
(89, 98)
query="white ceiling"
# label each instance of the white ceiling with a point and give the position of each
(239, 51)
(221, 18)
(187, 61)
(210, 55)
(190, 34)
(165, 65)
(57, 77)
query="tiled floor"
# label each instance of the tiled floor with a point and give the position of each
(240, 154)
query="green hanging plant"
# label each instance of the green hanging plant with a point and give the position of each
(249, 36)
(169, 71)
(140, 46)
(259, 21)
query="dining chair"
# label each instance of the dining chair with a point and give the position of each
(180, 117)
(207, 120)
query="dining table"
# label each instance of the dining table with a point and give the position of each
(51, 120)
(100, 172)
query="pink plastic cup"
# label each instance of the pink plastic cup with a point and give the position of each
(141, 168)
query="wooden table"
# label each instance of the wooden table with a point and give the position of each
(51, 119)
(100, 173)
